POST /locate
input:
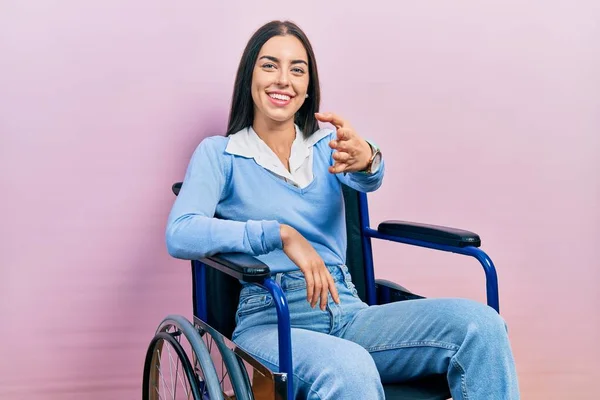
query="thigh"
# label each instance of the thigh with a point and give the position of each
(414, 338)
(325, 366)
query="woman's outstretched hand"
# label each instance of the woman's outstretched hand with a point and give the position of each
(318, 279)
(352, 153)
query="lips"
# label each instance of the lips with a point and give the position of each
(279, 98)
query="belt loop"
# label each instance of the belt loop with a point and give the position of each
(343, 271)
(337, 269)
(278, 278)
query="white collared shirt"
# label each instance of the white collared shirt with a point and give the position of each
(246, 143)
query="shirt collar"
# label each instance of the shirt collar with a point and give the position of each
(246, 143)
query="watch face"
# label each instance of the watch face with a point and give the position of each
(376, 162)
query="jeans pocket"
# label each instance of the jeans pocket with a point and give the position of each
(254, 303)
(293, 281)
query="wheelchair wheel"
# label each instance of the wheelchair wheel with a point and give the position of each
(232, 372)
(169, 373)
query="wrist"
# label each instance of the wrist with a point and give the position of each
(368, 153)
(374, 160)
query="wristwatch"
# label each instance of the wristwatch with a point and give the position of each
(375, 160)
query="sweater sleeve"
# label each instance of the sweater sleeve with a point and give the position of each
(193, 232)
(357, 180)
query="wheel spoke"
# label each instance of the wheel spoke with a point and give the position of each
(176, 378)
(224, 375)
(158, 391)
(185, 388)
(209, 342)
(173, 381)
(165, 386)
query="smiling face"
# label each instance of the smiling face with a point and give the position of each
(280, 80)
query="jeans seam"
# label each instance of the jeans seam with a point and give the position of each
(255, 307)
(463, 379)
(310, 385)
(418, 343)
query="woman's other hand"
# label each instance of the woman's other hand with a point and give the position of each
(352, 153)
(318, 279)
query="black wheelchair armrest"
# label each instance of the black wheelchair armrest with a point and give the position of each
(430, 233)
(176, 187)
(239, 265)
(389, 292)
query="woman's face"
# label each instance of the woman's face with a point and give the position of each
(280, 79)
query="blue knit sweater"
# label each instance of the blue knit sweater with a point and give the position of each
(228, 203)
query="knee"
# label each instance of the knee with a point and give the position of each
(482, 321)
(352, 372)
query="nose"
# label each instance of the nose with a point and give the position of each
(283, 78)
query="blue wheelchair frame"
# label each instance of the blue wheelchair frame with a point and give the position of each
(284, 324)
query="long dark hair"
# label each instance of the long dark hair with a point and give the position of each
(241, 114)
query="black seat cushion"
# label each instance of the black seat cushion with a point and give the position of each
(434, 387)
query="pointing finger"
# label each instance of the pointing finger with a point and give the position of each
(331, 118)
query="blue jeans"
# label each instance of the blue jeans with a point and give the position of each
(350, 349)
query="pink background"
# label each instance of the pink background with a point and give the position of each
(488, 116)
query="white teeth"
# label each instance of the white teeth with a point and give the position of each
(279, 96)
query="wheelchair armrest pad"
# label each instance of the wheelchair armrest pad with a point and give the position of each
(430, 233)
(387, 292)
(239, 265)
(176, 188)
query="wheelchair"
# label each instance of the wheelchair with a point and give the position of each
(197, 360)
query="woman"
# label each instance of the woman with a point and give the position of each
(272, 188)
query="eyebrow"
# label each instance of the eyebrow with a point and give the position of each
(275, 59)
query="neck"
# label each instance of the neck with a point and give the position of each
(279, 136)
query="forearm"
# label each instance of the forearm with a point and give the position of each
(196, 236)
